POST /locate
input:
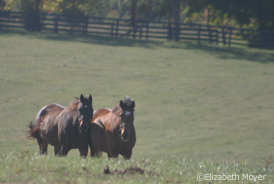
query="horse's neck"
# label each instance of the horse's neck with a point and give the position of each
(111, 121)
(70, 116)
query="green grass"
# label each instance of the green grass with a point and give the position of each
(33, 168)
(197, 103)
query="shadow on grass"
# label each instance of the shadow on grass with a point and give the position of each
(90, 39)
(222, 52)
(242, 53)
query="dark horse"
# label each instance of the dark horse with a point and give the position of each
(64, 128)
(112, 131)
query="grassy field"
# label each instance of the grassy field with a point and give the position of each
(195, 105)
(32, 168)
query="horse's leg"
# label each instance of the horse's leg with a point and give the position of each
(92, 148)
(112, 153)
(98, 154)
(57, 151)
(94, 151)
(83, 151)
(64, 150)
(43, 146)
(128, 155)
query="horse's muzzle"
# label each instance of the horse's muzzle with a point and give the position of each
(83, 128)
(84, 124)
(125, 137)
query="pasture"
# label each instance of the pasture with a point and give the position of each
(196, 106)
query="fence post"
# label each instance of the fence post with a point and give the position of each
(71, 23)
(169, 31)
(199, 32)
(178, 31)
(209, 32)
(117, 25)
(217, 37)
(1, 14)
(28, 22)
(134, 28)
(111, 30)
(224, 38)
(147, 30)
(140, 33)
(37, 22)
(229, 39)
(56, 20)
(260, 39)
(85, 25)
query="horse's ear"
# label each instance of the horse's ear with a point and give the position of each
(121, 104)
(90, 99)
(82, 98)
(133, 104)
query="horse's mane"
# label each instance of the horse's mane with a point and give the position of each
(127, 101)
(117, 109)
(73, 105)
(71, 112)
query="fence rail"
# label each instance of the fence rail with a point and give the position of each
(139, 29)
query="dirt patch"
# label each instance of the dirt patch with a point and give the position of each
(130, 170)
(106, 170)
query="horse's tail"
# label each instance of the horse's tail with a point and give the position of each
(34, 129)
(35, 124)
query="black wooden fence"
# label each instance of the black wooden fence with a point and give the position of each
(139, 29)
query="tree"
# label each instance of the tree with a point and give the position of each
(32, 7)
(154, 9)
(2, 4)
(175, 15)
(243, 11)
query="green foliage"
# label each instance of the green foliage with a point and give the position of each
(2, 4)
(71, 7)
(154, 9)
(13, 5)
(30, 6)
(244, 12)
(121, 8)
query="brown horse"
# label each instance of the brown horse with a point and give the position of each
(62, 127)
(112, 131)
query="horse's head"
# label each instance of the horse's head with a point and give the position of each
(85, 112)
(127, 118)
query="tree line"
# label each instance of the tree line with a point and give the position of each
(256, 14)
